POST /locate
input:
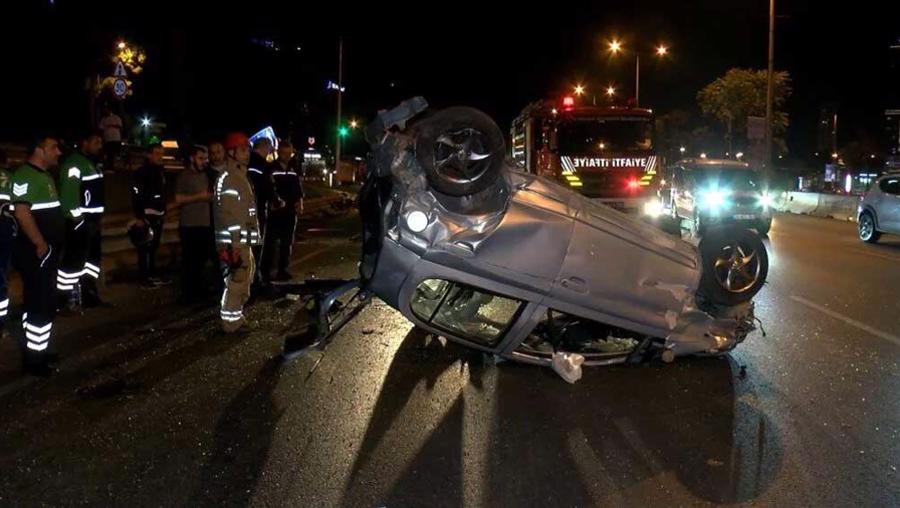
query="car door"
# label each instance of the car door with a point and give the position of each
(888, 209)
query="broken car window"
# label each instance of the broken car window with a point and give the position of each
(466, 312)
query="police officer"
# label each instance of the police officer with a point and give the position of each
(36, 249)
(237, 230)
(279, 239)
(259, 172)
(148, 190)
(7, 233)
(81, 195)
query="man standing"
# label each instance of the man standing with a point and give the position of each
(237, 230)
(259, 172)
(279, 240)
(81, 195)
(36, 249)
(111, 125)
(194, 195)
(148, 190)
(7, 233)
(217, 157)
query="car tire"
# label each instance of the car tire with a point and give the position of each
(764, 227)
(867, 231)
(735, 265)
(461, 151)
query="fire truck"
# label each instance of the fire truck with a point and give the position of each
(606, 153)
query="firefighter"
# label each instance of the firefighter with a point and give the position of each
(7, 233)
(259, 172)
(279, 240)
(81, 195)
(36, 249)
(237, 230)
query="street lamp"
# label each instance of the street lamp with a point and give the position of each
(610, 91)
(121, 45)
(703, 155)
(579, 90)
(354, 124)
(834, 155)
(682, 150)
(615, 47)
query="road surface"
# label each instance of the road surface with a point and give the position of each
(153, 407)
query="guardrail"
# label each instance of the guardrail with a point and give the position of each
(834, 206)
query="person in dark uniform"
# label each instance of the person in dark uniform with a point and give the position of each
(81, 195)
(259, 172)
(148, 191)
(36, 249)
(282, 224)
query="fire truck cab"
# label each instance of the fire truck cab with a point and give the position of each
(605, 153)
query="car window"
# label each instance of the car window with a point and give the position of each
(472, 314)
(890, 186)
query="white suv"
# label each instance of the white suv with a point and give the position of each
(879, 210)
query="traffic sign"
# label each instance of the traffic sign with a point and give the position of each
(120, 88)
(120, 70)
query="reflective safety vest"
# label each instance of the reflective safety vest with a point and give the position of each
(234, 209)
(80, 187)
(34, 186)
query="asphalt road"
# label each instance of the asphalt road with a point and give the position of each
(153, 407)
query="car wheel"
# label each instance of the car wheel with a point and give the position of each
(461, 151)
(867, 231)
(735, 265)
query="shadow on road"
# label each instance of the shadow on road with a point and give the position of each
(242, 441)
(616, 436)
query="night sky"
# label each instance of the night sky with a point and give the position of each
(205, 74)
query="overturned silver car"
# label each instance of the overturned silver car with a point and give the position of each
(470, 248)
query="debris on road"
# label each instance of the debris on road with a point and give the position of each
(568, 366)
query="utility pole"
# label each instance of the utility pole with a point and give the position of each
(770, 87)
(637, 80)
(340, 91)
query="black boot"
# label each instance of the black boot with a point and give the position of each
(38, 365)
(90, 297)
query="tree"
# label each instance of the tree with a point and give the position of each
(740, 93)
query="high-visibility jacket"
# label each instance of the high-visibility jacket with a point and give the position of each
(80, 187)
(234, 209)
(34, 186)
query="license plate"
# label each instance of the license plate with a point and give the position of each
(744, 217)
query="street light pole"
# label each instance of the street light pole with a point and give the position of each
(340, 88)
(770, 86)
(637, 79)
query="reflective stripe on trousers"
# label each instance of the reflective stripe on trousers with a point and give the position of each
(237, 289)
(37, 336)
(4, 307)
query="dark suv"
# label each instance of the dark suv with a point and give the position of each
(707, 192)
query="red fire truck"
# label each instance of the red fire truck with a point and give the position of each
(606, 153)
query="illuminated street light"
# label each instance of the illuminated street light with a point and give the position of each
(703, 155)
(682, 149)
(354, 124)
(662, 50)
(579, 90)
(121, 45)
(610, 90)
(602, 146)
(145, 122)
(834, 155)
(615, 46)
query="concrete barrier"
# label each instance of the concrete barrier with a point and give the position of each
(834, 206)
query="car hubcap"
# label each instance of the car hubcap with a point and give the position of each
(462, 156)
(866, 228)
(737, 268)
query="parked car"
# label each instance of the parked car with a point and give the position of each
(879, 209)
(711, 192)
(515, 265)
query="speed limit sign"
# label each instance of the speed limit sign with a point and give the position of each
(120, 88)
